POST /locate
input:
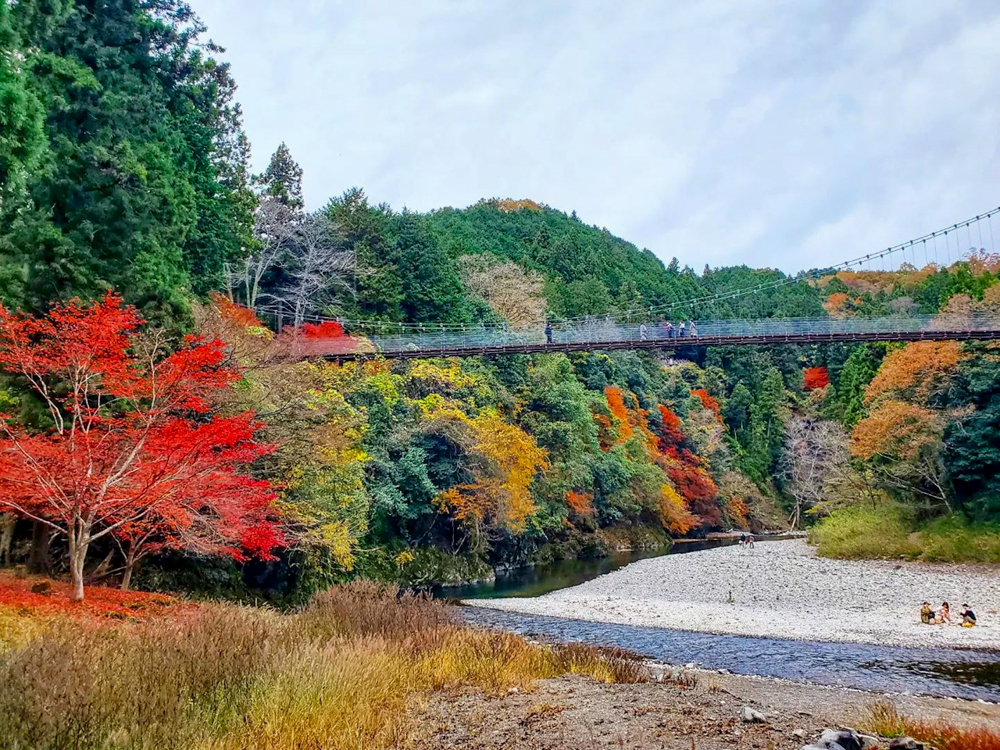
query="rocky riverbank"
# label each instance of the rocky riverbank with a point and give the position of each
(700, 710)
(782, 589)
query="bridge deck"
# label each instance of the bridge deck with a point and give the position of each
(957, 334)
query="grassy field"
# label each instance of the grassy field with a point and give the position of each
(890, 532)
(343, 672)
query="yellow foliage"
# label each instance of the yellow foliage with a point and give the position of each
(673, 511)
(509, 206)
(339, 541)
(509, 458)
(404, 558)
(450, 377)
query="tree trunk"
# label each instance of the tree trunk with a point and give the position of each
(41, 539)
(130, 561)
(77, 558)
(7, 521)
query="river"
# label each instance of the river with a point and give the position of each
(948, 672)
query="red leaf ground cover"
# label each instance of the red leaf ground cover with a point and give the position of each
(100, 601)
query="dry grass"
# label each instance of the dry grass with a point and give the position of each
(342, 673)
(885, 720)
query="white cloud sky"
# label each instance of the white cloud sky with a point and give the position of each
(791, 134)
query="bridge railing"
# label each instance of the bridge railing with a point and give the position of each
(603, 331)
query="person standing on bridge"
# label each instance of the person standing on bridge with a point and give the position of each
(548, 333)
(669, 328)
(682, 332)
(643, 332)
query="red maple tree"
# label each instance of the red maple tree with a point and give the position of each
(129, 447)
(814, 378)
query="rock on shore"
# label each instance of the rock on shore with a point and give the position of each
(782, 590)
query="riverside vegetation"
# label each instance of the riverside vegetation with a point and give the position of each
(154, 434)
(341, 672)
(430, 471)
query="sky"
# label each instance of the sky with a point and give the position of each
(782, 134)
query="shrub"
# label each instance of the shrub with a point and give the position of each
(340, 673)
(889, 532)
(885, 719)
(865, 532)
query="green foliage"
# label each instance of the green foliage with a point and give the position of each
(857, 371)
(588, 270)
(888, 531)
(138, 187)
(283, 179)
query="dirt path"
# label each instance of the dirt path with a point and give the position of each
(575, 713)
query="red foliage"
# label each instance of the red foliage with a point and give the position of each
(707, 401)
(16, 594)
(671, 435)
(323, 338)
(328, 329)
(814, 378)
(133, 451)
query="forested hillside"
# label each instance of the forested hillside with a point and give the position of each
(124, 169)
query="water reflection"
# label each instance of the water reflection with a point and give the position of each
(927, 671)
(544, 579)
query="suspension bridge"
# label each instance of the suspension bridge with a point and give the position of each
(658, 327)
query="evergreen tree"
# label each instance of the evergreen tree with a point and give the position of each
(432, 291)
(283, 179)
(131, 193)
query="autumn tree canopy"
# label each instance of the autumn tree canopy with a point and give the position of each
(129, 446)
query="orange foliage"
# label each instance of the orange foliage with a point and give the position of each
(509, 206)
(835, 303)
(736, 511)
(616, 404)
(814, 378)
(981, 262)
(580, 503)
(895, 429)
(707, 401)
(673, 512)
(925, 367)
(235, 313)
(670, 433)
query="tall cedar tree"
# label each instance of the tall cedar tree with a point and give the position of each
(143, 183)
(283, 179)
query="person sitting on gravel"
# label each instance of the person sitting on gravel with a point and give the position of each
(944, 615)
(968, 617)
(927, 614)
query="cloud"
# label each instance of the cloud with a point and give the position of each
(788, 135)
